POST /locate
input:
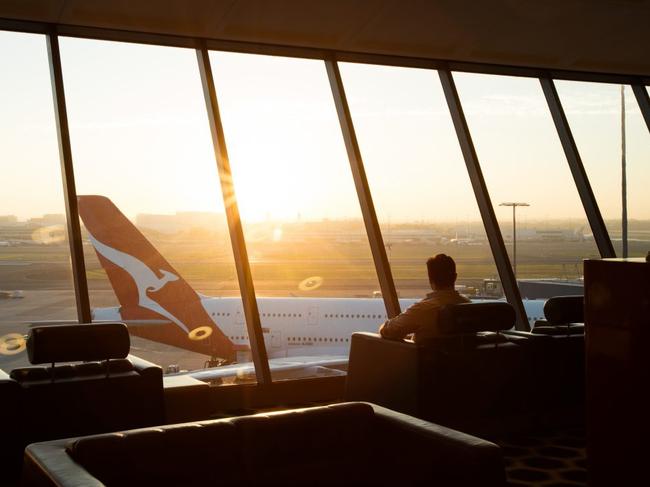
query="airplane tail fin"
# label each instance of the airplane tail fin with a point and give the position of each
(147, 286)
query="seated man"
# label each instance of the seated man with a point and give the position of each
(421, 318)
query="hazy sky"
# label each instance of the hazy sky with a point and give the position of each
(139, 135)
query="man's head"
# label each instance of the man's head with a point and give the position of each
(442, 271)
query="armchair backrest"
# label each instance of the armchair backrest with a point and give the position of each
(472, 318)
(564, 310)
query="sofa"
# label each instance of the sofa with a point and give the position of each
(341, 444)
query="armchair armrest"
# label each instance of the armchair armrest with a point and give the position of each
(383, 371)
(4, 377)
(48, 464)
(452, 457)
(144, 366)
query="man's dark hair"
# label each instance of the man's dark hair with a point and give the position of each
(442, 270)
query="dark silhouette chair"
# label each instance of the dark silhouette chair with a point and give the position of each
(11, 445)
(97, 387)
(559, 359)
(564, 315)
(472, 377)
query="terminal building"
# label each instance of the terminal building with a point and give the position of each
(229, 197)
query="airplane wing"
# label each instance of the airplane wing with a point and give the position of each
(281, 369)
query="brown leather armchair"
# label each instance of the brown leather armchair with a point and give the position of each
(472, 377)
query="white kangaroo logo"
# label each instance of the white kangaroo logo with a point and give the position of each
(145, 279)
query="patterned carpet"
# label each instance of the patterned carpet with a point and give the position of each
(548, 460)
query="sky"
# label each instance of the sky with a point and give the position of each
(140, 135)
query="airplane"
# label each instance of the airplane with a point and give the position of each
(158, 304)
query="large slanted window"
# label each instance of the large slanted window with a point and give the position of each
(157, 247)
(523, 163)
(35, 272)
(594, 112)
(419, 182)
(306, 239)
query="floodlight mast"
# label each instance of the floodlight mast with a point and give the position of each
(514, 233)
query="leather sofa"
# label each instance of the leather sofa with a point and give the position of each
(99, 388)
(472, 377)
(341, 444)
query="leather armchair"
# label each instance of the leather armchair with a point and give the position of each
(472, 380)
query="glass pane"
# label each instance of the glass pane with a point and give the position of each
(594, 113)
(419, 182)
(158, 251)
(306, 240)
(523, 162)
(35, 272)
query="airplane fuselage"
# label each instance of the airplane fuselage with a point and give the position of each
(302, 326)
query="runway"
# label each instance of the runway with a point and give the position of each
(16, 316)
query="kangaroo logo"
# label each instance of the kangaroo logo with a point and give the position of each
(145, 279)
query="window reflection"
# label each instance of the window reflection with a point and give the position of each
(419, 182)
(594, 113)
(523, 162)
(306, 240)
(156, 242)
(35, 272)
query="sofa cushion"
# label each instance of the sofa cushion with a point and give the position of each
(188, 455)
(30, 374)
(326, 446)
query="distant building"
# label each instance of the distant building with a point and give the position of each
(182, 221)
(6, 220)
(47, 220)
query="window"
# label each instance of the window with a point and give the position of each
(35, 272)
(523, 162)
(304, 232)
(143, 155)
(418, 178)
(594, 113)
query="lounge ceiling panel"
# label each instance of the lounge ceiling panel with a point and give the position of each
(582, 35)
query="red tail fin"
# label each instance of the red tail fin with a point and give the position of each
(147, 286)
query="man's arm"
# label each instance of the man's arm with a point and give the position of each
(405, 323)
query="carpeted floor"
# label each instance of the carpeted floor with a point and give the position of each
(549, 460)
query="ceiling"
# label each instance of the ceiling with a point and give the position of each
(606, 36)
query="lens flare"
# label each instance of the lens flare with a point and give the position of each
(311, 283)
(50, 234)
(200, 333)
(12, 344)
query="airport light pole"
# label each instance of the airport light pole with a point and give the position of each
(514, 233)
